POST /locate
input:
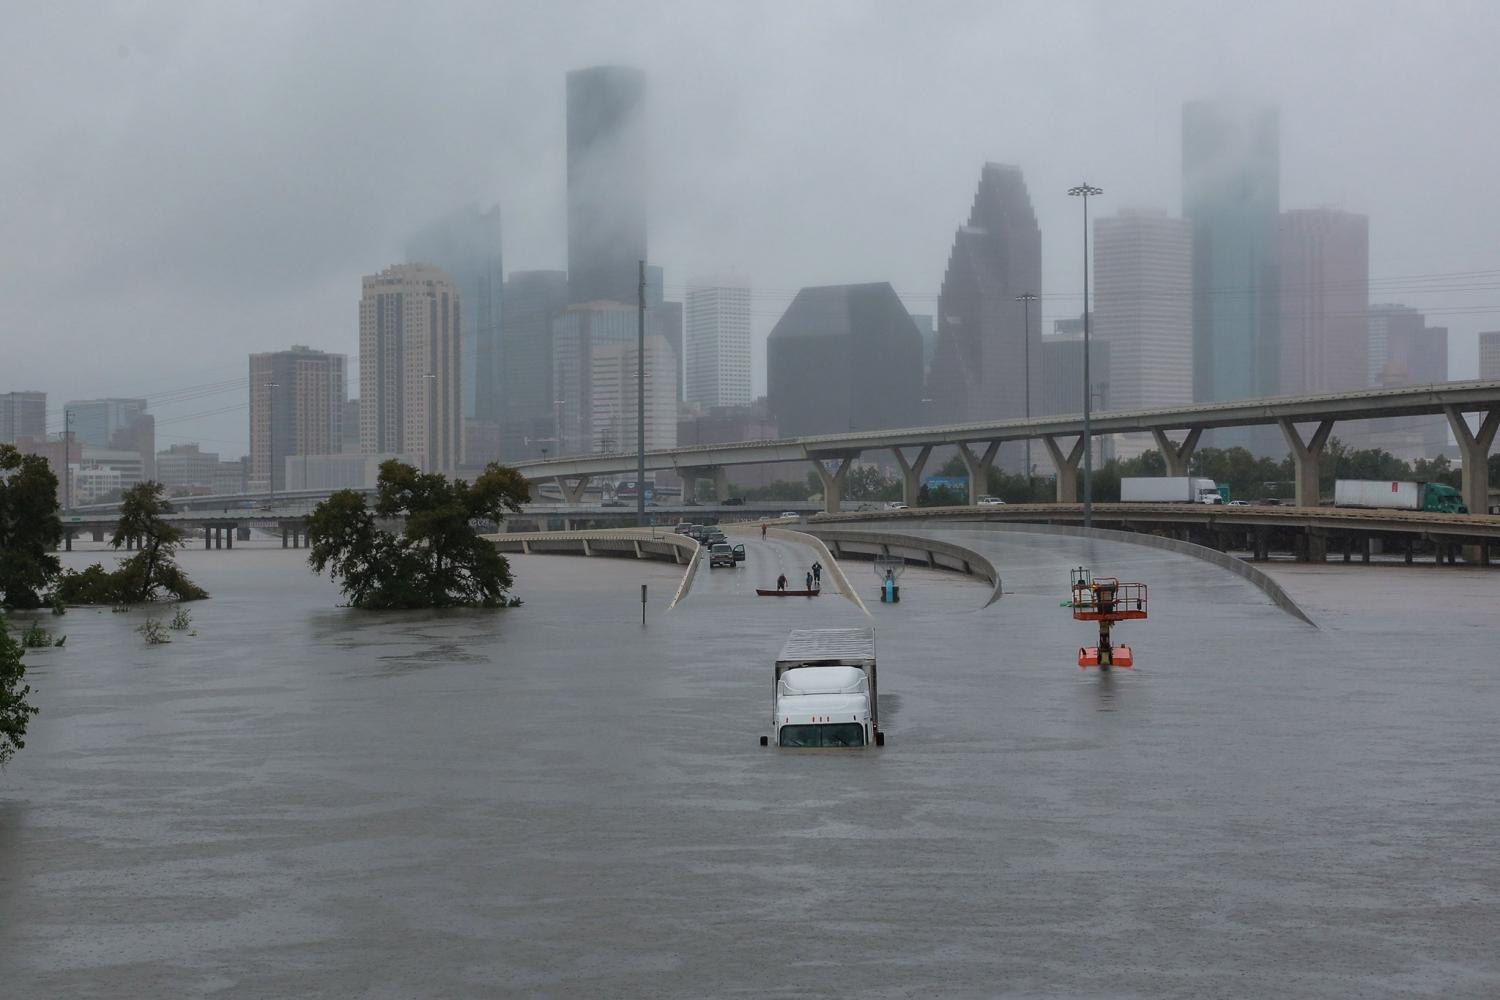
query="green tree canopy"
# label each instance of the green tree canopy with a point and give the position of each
(152, 568)
(30, 528)
(15, 713)
(438, 560)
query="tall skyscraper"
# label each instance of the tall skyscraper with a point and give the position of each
(95, 422)
(466, 247)
(296, 408)
(844, 358)
(1489, 355)
(612, 395)
(1325, 289)
(606, 183)
(1404, 350)
(718, 342)
(1231, 195)
(22, 415)
(532, 301)
(576, 334)
(978, 366)
(410, 368)
(1143, 311)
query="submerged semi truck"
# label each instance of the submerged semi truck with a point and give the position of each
(1169, 489)
(824, 690)
(1397, 495)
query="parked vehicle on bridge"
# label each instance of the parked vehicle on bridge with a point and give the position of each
(720, 554)
(790, 513)
(734, 502)
(1398, 495)
(1169, 489)
(991, 502)
(824, 690)
(895, 505)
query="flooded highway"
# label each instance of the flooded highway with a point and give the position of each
(305, 800)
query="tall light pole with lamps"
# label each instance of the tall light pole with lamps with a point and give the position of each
(1026, 299)
(1084, 191)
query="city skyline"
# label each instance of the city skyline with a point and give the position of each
(1329, 156)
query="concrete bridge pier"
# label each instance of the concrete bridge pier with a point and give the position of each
(911, 472)
(208, 537)
(67, 541)
(978, 469)
(1474, 452)
(573, 492)
(99, 534)
(833, 482)
(1305, 456)
(1066, 466)
(1177, 455)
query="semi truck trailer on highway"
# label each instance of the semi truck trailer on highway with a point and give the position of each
(1398, 495)
(1169, 489)
(824, 690)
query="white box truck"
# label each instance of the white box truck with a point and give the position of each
(1398, 495)
(824, 690)
(1169, 489)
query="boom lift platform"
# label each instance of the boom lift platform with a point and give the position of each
(1105, 600)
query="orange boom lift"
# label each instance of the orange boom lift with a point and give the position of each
(1105, 600)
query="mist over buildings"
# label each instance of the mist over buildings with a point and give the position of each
(188, 184)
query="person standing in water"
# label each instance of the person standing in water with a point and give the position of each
(781, 582)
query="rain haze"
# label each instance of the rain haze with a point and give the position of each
(189, 183)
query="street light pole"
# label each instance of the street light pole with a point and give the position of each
(640, 402)
(1084, 190)
(67, 460)
(271, 388)
(1026, 299)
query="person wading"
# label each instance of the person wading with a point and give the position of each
(781, 582)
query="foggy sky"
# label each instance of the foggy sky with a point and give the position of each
(186, 183)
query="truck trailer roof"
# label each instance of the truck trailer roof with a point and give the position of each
(812, 644)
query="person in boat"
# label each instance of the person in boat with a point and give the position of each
(781, 582)
(809, 580)
(817, 572)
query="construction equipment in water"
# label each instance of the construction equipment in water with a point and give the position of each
(1105, 600)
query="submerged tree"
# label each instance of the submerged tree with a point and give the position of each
(30, 528)
(438, 560)
(15, 712)
(154, 567)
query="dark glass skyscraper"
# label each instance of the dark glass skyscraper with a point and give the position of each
(1231, 170)
(466, 247)
(844, 357)
(533, 299)
(606, 183)
(978, 367)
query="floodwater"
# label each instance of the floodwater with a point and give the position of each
(305, 800)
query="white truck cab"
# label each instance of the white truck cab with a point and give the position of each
(825, 691)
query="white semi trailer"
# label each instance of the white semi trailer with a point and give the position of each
(1169, 489)
(824, 692)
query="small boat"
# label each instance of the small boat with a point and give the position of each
(787, 593)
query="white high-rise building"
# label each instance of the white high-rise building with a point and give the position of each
(409, 369)
(1489, 355)
(1143, 309)
(717, 342)
(612, 398)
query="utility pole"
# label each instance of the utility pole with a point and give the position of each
(67, 460)
(1026, 299)
(640, 402)
(271, 388)
(1084, 190)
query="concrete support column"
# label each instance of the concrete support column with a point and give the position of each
(911, 473)
(283, 536)
(978, 468)
(689, 479)
(1066, 466)
(721, 483)
(99, 534)
(229, 536)
(1364, 550)
(573, 493)
(1177, 455)
(218, 537)
(1474, 452)
(833, 482)
(208, 537)
(1305, 458)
